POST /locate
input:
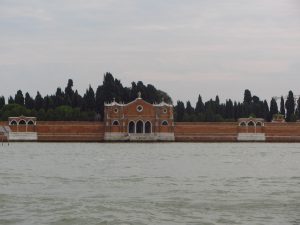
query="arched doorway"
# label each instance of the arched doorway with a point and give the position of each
(148, 127)
(140, 127)
(131, 127)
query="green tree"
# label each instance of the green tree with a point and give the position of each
(290, 106)
(199, 105)
(273, 107)
(29, 102)
(247, 96)
(19, 98)
(189, 109)
(39, 101)
(179, 109)
(2, 102)
(282, 107)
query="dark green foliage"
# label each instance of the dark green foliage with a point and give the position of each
(14, 110)
(273, 108)
(199, 105)
(247, 97)
(39, 101)
(2, 102)
(179, 111)
(282, 107)
(29, 102)
(297, 113)
(70, 105)
(19, 98)
(11, 100)
(290, 107)
(189, 109)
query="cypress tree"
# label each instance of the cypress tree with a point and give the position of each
(2, 102)
(247, 96)
(179, 109)
(19, 98)
(69, 93)
(266, 111)
(189, 109)
(29, 102)
(282, 107)
(273, 108)
(11, 100)
(39, 101)
(199, 105)
(290, 106)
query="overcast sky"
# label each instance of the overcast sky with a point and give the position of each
(185, 48)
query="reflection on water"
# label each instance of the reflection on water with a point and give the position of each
(174, 183)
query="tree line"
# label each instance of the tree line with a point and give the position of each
(252, 106)
(67, 104)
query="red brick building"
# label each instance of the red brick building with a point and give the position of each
(138, 121)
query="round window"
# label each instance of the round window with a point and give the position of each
(165, 110)
(116, 110)
(139, 108)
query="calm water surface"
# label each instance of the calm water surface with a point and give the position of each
(174, 183)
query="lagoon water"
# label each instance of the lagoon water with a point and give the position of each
(155, 183)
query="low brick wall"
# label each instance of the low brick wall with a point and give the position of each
(74, 131)
(282, 132)
(70, 131)
(206, 132)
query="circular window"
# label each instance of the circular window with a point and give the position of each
(165, 110)
(116, 110)
(139, 108)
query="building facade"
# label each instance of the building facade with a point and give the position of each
(138, 121)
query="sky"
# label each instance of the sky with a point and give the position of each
(186, 48)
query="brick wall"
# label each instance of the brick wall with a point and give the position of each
(210, 132)
(70, 131)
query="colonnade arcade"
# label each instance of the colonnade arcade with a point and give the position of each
(139, 127)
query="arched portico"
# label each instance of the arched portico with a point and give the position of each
(131, 127)
(148, 127)
(140, 127)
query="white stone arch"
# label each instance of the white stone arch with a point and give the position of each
(13, 122)
(259, 124)
(22, 122)
(249, 124)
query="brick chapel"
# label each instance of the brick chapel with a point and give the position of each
(138, 121)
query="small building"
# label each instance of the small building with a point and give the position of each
(138, 121)
(22, 128)
(22, 123)
(251, 129)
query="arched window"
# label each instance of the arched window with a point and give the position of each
(251, 124)
(116, 123)
(148, 127)
(30, 122)
(131, 127)
(14, 123)
(165, 123)
(22, 122)
(242, 124)
(140, 127)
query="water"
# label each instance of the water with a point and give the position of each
(174, 183)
